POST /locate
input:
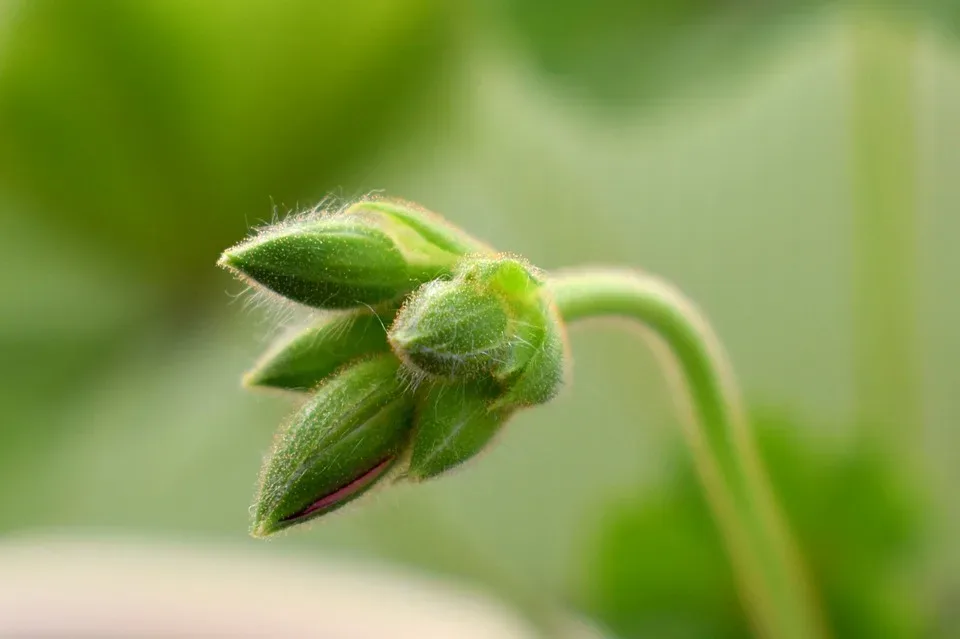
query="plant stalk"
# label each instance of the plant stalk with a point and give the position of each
(775, 591)
(883, 156)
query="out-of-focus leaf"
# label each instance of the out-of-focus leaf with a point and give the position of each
(163, 128)
(621, 51)
(64, 313)
(660, 569)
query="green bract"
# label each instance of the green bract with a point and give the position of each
(337, 445)
(427, 386)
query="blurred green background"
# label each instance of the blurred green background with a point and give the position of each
(791, 165)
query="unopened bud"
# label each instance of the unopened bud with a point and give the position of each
(542, 376)
(301, 360)
(430, 226)
(492, 320)
(454, 423)
(369, 254)
(338, 445)
(450, 330)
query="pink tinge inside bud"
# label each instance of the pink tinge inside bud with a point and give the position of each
(347, 491)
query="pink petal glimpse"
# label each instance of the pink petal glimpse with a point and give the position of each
(347, 491)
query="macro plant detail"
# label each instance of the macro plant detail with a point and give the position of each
(428, 341)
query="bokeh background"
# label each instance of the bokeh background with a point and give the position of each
(791, 165)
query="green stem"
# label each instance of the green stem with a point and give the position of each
(774, 589)
(883, 126)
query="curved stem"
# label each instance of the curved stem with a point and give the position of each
(774, 589)
(883, 124)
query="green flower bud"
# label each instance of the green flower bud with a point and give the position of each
(428, 225)
(301, 360)
(543, 374)
(493, 320)
(451, 330)
(337, 446)
(454, 423)
(371, 253)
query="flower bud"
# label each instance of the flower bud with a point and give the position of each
(303, 359)
(542, 376)
(452, 331)
(454, 423)
(433, 228)
(371, 253)
(338, 445)
(493, 320)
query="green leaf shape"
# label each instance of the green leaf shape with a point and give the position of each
(455, 422)
(659, 569)
(302, 359)
(336, 447)
(332, 262)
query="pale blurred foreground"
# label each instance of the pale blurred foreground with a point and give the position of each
(110, 587)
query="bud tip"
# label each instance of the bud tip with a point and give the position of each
(260, 530)
(252, 379)
(228, 259)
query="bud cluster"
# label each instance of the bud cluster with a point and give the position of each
(429, 341)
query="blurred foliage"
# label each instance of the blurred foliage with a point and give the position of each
(624, 53)
(620, 52)
(164, 128)
(659, 569)
(138, 139)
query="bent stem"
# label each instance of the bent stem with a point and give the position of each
(775, 592)
(883, 122)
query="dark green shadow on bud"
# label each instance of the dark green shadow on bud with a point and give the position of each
(455, 422)
(301, 360)
(338, 261)
(337, 446)
(451, 330)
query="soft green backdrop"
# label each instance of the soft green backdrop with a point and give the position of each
(139, 139)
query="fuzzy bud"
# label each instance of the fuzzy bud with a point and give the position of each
(301, 360)
(454, 423)
(371, 253)
(493, 320)
(338, 445)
